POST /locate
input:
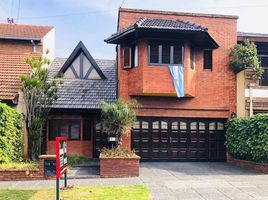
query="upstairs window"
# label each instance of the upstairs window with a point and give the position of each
(165, 53)
(130, 56)
(192, 57)
(207, 59)
(264, 64)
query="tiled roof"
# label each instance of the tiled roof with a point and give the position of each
(11, 67)
(23, 32)
(82, 93)
(246, 34)
(144, 23)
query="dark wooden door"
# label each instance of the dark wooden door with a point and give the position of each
(179, 138)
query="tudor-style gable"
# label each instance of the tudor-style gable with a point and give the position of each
(81, 65)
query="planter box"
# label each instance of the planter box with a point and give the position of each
(119, 167)
(260, 167)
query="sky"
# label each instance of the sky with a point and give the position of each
(91, 21)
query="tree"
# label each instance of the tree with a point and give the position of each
(39, 93)
(118, 117)
(245, 56)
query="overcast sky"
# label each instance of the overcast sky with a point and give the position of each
(94, 20)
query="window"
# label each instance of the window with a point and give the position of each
(192, 57)
(126, 57)
(87, 130)
(164, 53)
(130, 56)
(264, 64)
(64, 128)
(208, 59)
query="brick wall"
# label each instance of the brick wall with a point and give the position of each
(214, 91)
(18, 47)
(119, 167)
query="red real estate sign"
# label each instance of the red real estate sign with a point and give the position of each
(61, 156)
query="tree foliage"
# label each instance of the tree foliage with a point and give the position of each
(245, 56)
(247, 138)
(39, 92)
(118, 117)
(11, 123)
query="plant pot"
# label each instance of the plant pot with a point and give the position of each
(114, 167)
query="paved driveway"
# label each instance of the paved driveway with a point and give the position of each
(178, 180)
(210, 181)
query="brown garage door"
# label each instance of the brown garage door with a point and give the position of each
(179, 139)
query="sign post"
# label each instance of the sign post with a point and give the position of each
(61, 163)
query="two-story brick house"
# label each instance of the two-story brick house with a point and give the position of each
(17, 42)
(189, 127)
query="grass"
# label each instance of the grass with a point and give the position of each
(20, 165)
(134, 192)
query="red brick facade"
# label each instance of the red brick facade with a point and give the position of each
(213, 92)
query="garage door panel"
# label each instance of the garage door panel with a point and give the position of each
(179, 138)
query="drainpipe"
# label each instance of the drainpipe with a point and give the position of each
(34, 46)
(251, 85)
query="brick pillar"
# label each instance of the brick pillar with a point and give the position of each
(126, 139)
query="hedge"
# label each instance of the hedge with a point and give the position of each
(247, 138)
(11, 124)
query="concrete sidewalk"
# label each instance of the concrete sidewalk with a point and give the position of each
(173, 180)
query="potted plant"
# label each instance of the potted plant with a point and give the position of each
(117, 120)
(244, 56)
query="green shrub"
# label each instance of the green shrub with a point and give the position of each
(117, 152)
(11, 123)
(248, 138)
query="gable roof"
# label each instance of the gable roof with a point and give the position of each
(23, 32)
(85, 93)
(178, 25)
(11, 68)
(76, 52)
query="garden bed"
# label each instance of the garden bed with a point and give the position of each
(260, 167)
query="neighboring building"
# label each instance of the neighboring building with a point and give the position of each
(17, 42)
(192, 127)
(76, 113)
(252, 98)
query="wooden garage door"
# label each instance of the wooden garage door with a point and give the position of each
(179, 139)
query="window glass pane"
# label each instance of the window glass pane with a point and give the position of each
(145, 125)
(126, 52)
(165, 53)
(193, 126)
(192, 57)
(86, 130)
(52, 130)
(154, 53)
(164, 125)
(207, 59)
(220, 126)
(212, 126)
(74, 130)
(183, 126)
(264, 61)
(156, 125)
(174, 126)
(136, 125)
(136, 56)
(177, 54)
(201, 126)
(63, 129)
(264, 78)
(98, 126)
